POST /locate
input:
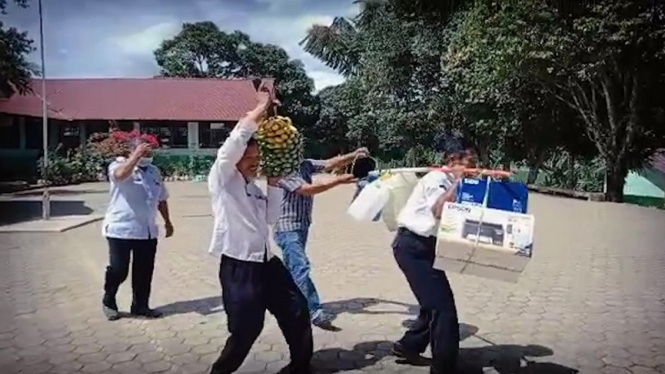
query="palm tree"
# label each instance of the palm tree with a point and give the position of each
(340, 44)
(337, 45)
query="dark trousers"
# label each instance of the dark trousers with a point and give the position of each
(437, 322)
(143, 265)
(248, 290)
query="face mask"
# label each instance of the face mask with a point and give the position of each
(145, 161)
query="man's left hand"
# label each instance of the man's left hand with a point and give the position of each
(274, 181)
(361, 152)
(169, 229)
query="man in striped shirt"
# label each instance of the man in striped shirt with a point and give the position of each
(292, 228)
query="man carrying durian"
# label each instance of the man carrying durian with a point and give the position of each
(292, 227)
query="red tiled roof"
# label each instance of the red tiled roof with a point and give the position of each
(177, 99)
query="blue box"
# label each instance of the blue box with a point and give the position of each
(507, 196)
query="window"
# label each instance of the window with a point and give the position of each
(169, 134)
(212, 135)
(95, 127)
(124, 125)
(10, 136)
(34, 133)
(68, 133)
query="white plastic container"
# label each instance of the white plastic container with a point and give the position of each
(369, 202)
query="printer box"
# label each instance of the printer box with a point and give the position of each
(488, 243)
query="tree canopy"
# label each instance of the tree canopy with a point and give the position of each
(202, 49)
(15, 69)
(529, 82)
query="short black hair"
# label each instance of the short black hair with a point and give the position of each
(453, 145)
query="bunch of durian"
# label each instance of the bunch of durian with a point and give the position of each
(281, 147)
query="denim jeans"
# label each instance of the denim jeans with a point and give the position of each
(293, 245)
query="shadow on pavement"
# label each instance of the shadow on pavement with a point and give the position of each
(204, 306)
(359, 305)
(504, 359)
(509, 359)
(362, 355)
(14, 211)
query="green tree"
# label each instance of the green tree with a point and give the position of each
(391, 68)
(15, 70)
(603, 60)
(328, 137)
(527, 80)
(203, 50)
(612, 74)
(495, 100)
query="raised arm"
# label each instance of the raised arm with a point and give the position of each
(119, 171)
(342, 160)
(234, 146)
(437, 200)
(296, 183)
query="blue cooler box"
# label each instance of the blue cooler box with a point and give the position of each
(508, 196)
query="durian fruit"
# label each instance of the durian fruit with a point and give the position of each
(280, 145)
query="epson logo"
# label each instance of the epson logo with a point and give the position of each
(461, 208)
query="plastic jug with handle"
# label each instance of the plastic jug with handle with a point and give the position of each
(370, 201)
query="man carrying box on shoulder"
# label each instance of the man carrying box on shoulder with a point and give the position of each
(414, 248)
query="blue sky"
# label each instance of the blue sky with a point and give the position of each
(116, 38)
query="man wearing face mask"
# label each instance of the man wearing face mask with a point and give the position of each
(253, 280)
(137, 192)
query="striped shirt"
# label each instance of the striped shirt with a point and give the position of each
(296, 208)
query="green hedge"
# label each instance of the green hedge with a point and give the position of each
(181, 165)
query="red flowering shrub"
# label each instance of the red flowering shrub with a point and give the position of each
(117, 143)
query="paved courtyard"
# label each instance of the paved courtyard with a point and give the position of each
(591, 300)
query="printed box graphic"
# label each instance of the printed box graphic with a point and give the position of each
(489, 243)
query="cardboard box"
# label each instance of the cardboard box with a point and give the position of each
(488, 243)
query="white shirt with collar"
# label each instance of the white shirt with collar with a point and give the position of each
(417, 216)
(132, 211)
(242, 212)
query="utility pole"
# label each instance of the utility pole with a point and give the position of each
(46, 197)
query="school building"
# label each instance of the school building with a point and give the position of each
(188, 115)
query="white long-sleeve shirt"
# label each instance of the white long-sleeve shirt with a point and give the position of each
(417, 216)
(241, 210)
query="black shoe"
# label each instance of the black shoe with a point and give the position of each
(145, 312)
(323, 319)
(110, 308)
(412, 358)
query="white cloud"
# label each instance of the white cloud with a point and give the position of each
(287, 33)
(117, 39)
(147, 40)
(323, 79)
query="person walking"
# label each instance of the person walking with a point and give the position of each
(414, 248)
(253, 280)
(137, 193)
(292, 228)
